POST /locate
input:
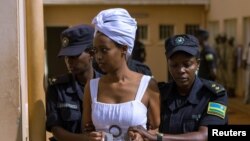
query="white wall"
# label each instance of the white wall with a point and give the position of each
(231, 16)
(222, 10)
(9, 66)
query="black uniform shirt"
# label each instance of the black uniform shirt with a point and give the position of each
(64, 99)
(132, 65)
(139, 67)
(205, 105)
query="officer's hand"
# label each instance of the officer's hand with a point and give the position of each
(143, 132)
(134, 136)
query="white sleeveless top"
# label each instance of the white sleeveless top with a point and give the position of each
(124, 115)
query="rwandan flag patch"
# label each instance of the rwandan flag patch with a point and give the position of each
(216, 109)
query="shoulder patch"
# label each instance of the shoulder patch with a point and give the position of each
(214, 87)
(216, 109)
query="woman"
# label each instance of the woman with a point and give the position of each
(122, 97)
(189, 104)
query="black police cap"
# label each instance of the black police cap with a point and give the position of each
(76, 40)
(185, 43)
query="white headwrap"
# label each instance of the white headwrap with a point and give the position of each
(118, 25)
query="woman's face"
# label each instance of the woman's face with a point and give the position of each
(182, 67)
(108, 56)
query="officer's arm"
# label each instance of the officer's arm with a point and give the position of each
(52, 115)
(63, 135)
(54, 122)
(216, 111)
(200, 135)
(154, 104)
(210, 58)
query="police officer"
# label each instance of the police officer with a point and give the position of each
(208, 57)
(64, 94)
(246, 67)
(223, 60)
(189, 104)
(218, 48)
(231, 69)
(139, 52)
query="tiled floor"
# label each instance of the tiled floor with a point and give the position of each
(238, 112)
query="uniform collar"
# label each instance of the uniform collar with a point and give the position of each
(77, 87)
(79, 90)
(97, 74)
(71, 87)
(74, 87)
(193, 95)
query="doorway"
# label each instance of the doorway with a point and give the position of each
(55, 66)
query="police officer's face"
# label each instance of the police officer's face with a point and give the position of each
(108, 56)
(182, 67)
(78, 64)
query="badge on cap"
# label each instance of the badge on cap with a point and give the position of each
(65, 42)
(179, 40)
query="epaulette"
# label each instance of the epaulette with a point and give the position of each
(214, 87)
(164, 86)
(60, 79)
(52, 80)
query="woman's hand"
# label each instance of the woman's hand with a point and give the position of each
(143, 132)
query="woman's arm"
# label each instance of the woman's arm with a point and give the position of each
(86, 117)
(87, 124)
(154, 104)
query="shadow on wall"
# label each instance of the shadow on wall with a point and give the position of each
(37, 122)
